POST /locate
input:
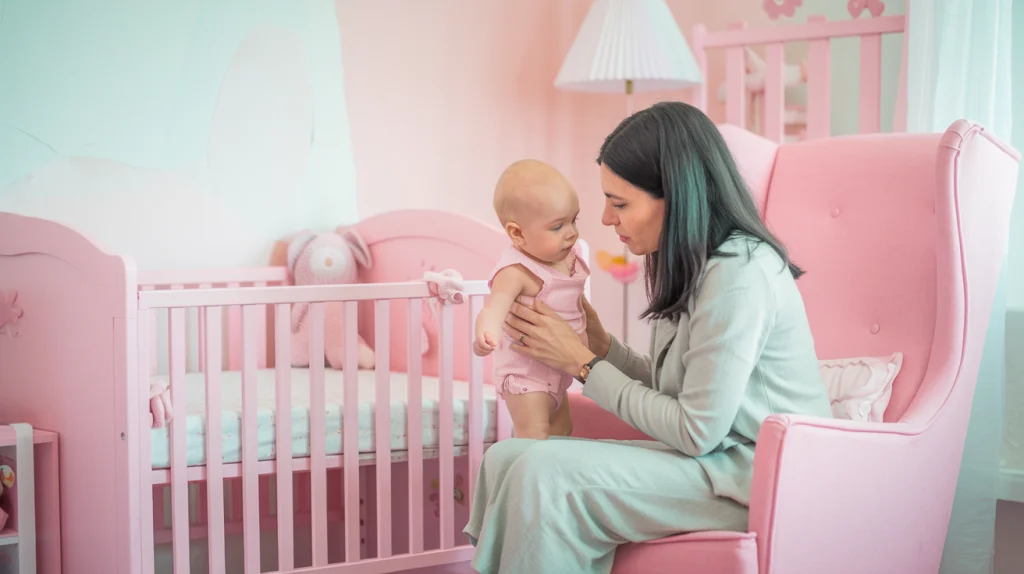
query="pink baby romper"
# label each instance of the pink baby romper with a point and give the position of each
(517, 374)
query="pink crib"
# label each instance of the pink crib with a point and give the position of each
(368, 483)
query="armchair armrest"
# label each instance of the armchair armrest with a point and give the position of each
(591, 421)
(841, 496)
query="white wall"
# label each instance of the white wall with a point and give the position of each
(134, 122)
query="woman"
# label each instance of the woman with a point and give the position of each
(730, 345)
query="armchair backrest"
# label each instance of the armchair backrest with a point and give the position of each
(858, 215)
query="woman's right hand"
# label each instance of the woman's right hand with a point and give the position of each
(598, 339)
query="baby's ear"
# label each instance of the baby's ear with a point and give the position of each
(359, 248)
(297, 246)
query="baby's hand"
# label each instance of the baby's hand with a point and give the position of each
(484, 343)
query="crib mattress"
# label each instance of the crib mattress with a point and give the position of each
(231, 415)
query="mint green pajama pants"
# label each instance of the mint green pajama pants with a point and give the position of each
(561, 506)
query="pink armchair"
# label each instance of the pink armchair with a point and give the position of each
(902, 237)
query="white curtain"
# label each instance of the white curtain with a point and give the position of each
(958, 66)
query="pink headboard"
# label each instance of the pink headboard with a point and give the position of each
(406, 243)
(769, 98)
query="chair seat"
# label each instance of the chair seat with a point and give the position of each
(696, 553)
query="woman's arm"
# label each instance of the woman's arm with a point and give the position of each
(630, 363)
(601, 343)
(728, 329)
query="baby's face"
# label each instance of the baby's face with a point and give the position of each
(549, 226)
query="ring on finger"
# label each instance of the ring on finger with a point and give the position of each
(521, 337)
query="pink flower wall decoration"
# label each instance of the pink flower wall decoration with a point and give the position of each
(857, 7)
(10, 312)
(776, 8)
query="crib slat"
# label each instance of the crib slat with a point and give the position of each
(179, 470)
(350, 433)
(212, 319)
(774, 93)
(700, 55)
(234, 331)
(188, 330)
(414, 370)
(445, 427)
(735, 81)
(870, 84)
(819, 86)
(382, 420)
(283, 421)
(261, 331)
(145, 341)
(152, 339)
(202, 332)
(317, 434)
(250, 476)
(476, 403)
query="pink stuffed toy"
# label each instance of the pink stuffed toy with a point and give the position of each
(6, 482)
(160, 412)
(326, 259)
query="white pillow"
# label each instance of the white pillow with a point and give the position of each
(860, 387)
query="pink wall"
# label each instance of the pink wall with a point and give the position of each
(442, 95)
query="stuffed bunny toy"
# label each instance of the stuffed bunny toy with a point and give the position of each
(326, 259)
(6, 481)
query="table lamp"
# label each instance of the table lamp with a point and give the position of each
(627, 46)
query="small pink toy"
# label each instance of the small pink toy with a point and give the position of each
(326, 259)
(6, 482)
(160, 412)
(446, 285)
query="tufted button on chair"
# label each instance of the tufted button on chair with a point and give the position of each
(902, 237)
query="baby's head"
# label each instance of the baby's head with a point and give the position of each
(537, 207)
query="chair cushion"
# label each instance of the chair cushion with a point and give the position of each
(859, 388)
(696, 553)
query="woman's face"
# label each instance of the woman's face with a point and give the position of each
(635, 215)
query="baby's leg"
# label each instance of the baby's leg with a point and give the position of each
(561, 422)
(531, 414)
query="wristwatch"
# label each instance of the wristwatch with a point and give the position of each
(585, 371)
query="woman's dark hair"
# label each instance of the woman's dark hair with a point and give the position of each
(674, 152)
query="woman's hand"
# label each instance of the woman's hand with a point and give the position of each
(598, 339)
(540, 333)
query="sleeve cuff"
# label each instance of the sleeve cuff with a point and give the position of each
(618, 354)
(604, 384)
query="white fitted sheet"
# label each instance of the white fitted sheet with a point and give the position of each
(231, 415)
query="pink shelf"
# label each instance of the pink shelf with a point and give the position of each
(38, 436)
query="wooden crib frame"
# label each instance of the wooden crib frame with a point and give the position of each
(85, 344)
(819, 33)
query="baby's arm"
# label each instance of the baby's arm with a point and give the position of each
(505, 287)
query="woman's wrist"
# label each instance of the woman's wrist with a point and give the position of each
(603, 346)
(582, 357)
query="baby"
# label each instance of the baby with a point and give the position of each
(537, 207)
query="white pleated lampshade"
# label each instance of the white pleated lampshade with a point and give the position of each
(622, 40)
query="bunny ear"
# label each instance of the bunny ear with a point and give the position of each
(359, 248)
(297, 246)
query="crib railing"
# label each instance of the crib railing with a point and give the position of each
(251, 302)
(195, 350)
(819, 33)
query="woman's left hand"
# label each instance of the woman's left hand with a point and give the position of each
(548, 337)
